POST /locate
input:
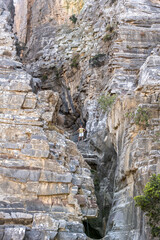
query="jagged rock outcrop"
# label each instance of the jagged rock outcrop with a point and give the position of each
(46, 188)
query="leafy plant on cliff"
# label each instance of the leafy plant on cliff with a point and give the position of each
(98, 60)
(75, 61)
(106, 101)
(73, 18)
(157, 137)
(107, 37)
(58, 72)
(44, 77)
(110, 33)
(149, 202)
(140, 117)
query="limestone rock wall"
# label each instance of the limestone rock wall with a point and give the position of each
(138, 157)
(113, 47)
(46, 188)
(119, 34)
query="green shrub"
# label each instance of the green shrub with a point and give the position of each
(157, 137)
(44, 77)
(129, 47)
(140, 117)
(107, 37)
(98, 60)
(73, 18)
(106, 101)
(149, 202)
(58, 72)
(75, 61)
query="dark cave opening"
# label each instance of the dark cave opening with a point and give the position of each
(90, 231)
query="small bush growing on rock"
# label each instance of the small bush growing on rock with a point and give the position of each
(107, 37)
(58, 72)
(140, 117)
(129, 47)
(98, 60)
(73, 18)
(109, 33)
(106, 101)
(7, 53)
(75, 61)
(149, 202)
(157, 137)
(44, 77)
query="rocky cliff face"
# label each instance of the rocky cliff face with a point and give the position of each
(112, 47)
(45, 186)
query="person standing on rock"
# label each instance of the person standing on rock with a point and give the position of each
(81, 131)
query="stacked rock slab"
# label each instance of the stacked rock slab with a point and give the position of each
(45, 185)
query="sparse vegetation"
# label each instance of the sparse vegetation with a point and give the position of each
(129, 47)
(140, 117)
(149, 202)
(7, 53)
(98, 60)
(109, 33)
(58, 72)
(107, 37)
(106, 101)
(75, 61)
(73, 18)
(157, 137)
(44, 77)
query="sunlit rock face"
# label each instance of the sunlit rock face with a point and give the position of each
(20, 19)
(31, 16)
(45, 186)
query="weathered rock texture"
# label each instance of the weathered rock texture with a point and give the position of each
(46, 188)
(113, 47)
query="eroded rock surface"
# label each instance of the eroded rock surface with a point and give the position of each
(112, 48)
(46, 188)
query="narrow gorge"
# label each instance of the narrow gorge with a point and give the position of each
(66, 63)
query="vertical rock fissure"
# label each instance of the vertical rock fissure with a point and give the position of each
(103, 168)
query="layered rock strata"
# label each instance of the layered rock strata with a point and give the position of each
(138, 154)
(113, 47)
(45, 186)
